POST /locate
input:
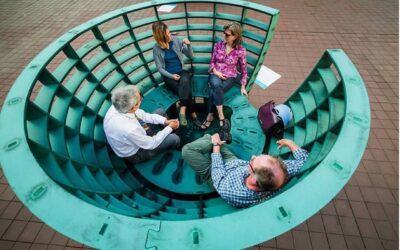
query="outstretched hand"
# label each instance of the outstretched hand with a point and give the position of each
(215, 139)
(287, 143)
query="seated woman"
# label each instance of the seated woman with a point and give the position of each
(226, 56)
(168, 56)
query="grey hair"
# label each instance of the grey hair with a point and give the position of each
(124, 98)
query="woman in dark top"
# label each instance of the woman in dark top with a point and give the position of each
(168, 56)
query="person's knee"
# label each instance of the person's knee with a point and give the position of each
(186, 152)
(174, 140)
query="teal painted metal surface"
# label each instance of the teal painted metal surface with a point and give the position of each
(54, 153)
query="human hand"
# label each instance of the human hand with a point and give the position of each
(174, 124)
(176, 77)
(215, 139)
(287, 143)
(186, 41)
(243, 90)
(219, 74)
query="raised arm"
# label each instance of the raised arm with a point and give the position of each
(187, 48)
(300, 156)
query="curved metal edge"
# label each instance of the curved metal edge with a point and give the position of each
(281, 213)
(94, 226)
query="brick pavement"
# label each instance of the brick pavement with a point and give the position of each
(364, 215)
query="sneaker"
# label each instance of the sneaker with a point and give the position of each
(225, 136)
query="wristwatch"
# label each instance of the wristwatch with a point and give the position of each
(215, 144)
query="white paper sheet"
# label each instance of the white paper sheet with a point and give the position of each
(266, 77)
(166, 7)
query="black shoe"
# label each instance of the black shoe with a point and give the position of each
(225, 136)
(226, 125)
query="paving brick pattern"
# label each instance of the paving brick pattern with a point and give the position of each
(364, 215)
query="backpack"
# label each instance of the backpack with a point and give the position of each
(271, 123)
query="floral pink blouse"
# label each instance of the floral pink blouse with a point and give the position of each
(227, 63)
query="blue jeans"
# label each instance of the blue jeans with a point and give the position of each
(217, 89)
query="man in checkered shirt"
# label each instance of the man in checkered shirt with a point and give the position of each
(242, 183)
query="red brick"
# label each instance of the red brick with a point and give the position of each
(369, 194)
(378, 180)
(3, 206)
(367, 228)
(385, 196)
(7, 195)
(302, 227)
(38, 247)
(376, 211)
(269, 243)
(4, 244)
(373, 244)
(4, 224)
(59, 239)
(332, 224)
(21, 246)
(359, 209)
(363, 179)
(385, 230)
(72, 243)
(319, 241)
(24, 214)
(336, 242)
(354, 242)
(349, 226)
(315, 224)
(353, 193)
(392, 181)
(343, 208)
(390, 244)
(45, 235)
(392, 212)
(301, 240)
(14, 230)
(329, 209)
(55, 247)
(285, 240)
(12, 210)
(30, 232)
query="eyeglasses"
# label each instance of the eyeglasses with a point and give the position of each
(227, 35)
(251, 163)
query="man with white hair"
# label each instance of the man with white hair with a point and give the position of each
(125, 127)
(241, 183)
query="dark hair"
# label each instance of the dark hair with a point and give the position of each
(265, 178)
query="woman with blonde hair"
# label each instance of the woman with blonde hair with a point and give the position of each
(168, 56)
(227, 54)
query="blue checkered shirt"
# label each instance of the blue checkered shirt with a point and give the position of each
(229, 178)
